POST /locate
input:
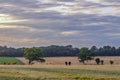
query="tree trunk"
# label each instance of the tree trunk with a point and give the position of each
(83, 62)
(30, 61)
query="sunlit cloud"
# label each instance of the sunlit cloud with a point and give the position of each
(8, 19)
(95, 1)
(69, 33)
(109, 11)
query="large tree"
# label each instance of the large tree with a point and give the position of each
(94, 50)
(33, 54)
(84, 55)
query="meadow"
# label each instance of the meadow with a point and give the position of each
(9, 61)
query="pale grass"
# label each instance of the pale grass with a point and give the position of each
(86, 67)
(27, 71)
(9, 73)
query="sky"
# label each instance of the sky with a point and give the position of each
(81, 23)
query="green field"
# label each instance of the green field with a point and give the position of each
(9, 61)
(59, 72)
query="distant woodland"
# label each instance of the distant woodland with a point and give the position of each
(59, 51)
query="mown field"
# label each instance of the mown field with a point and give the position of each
(74, 60)
(9, 61)
(59, 72)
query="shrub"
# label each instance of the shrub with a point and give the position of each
(97, 60)
(111, 62)
(102, 62)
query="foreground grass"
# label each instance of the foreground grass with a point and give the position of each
(9, 60)
(59, 72)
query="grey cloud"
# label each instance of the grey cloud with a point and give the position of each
(22, 3)
(113, 1)
(45, 26)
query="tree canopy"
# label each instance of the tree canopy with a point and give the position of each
(85, 55)
(33, 54)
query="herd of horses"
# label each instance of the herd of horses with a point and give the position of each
(5, 63)
(67, 63)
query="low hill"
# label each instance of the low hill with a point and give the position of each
(10, 61)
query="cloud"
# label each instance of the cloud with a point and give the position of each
(69, 33)
(62, 22)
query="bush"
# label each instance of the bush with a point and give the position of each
(102, 62)
(97, 60)
(111, 62)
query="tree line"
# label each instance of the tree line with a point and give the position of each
(58, 51)
(11, 52)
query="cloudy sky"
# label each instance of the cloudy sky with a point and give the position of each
(28, 23)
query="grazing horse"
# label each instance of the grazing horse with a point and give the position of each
(14, 63)
(69, 63)
(66, 63)
(4, 63)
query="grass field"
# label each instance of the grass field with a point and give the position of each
(60, 72)
(9, 60)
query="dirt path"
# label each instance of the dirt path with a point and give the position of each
(22, 59)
